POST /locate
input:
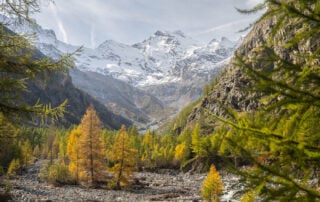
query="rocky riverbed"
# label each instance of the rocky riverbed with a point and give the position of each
(164, 185)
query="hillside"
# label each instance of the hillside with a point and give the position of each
(59, 88)
(232, 88)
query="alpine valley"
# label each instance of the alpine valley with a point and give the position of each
(146, 82)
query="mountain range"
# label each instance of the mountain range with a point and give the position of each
(145, 82)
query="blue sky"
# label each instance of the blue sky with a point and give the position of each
(89, 23)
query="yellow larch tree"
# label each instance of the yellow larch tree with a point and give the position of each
(27, 156)
(148, 144)
(124, 157)
(73, 153)
(181, 152)
(212, 186)
(92, 153)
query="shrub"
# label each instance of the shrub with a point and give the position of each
(14, 167)
(2, 172)
(57, 174)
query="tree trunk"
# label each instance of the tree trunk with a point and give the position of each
(121, 165)
(91, 153)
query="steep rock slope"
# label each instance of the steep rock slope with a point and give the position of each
(120, 97)
(229, 90)
(58, 88)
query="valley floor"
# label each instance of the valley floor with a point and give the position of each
(165, 185)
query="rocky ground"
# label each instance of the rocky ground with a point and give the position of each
(165, 185)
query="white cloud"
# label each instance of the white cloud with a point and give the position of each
(130, 21)
(92, 37)
(226, 26)
(252, 3)
(61, 28)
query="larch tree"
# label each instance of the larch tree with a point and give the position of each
(73, 153)
(198, 143)
(147, 145)
(51, 144)
(20, 63)
(36, 152)
(181, 152)
(27, 154)
(283, 70)
(196, 140)
(9, 148)
(212, 186)
(14, 167)
(124, 157)
(92, 154)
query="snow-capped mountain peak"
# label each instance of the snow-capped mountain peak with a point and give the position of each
(226, 43)
(170, 66)
(164, 57)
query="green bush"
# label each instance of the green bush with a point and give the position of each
(14, 167)
(57, 174)
(8, 186)
(43, 174)
(2, 172)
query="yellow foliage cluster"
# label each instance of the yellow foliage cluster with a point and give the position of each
(73, 149)
(248, 197)
(181, 152)
(212, 186)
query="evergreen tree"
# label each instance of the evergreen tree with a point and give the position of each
(124, 157)
(9, 147)
(92, 154)
(19, 64)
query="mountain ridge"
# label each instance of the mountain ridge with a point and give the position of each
(170, 68)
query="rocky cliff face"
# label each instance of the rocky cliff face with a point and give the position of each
(229, 90)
